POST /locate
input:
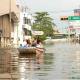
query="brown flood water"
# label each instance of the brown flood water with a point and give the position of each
(61, 61)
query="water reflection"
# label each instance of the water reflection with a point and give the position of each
(75, 68)
(8, 64)
(66, 61)
(61, 61)
(35, 68)
(26, 66)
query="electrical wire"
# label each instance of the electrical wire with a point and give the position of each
(54, 12)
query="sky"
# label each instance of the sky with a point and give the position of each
(56, 8)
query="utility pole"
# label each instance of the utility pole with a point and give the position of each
(10, 31)
(10, 21)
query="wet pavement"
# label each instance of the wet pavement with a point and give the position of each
(61, 61)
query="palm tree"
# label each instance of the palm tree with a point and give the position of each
(44, 23)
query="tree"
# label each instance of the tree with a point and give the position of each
(44, 23)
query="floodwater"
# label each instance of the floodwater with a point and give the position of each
(61, 61)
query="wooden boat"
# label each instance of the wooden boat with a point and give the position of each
(27, 50)
(32, 50)
(41, 50)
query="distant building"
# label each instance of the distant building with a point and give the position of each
(77, 22)
(77, 12)
(55, 29)
(9, 15)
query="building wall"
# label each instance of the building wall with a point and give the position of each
(8, 7)
(22, 25)
(5, 7)
(77, 22)
(77, 12)
(6, 29)
(5, 25)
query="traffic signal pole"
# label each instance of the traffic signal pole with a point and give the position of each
(65, 18)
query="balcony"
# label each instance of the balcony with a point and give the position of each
(27, 27)
(9, 6)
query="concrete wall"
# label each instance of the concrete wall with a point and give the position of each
(6, 29)
(5, 7)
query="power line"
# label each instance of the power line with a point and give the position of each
(60, 11)
(54, 12)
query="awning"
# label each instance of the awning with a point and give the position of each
(27, 27)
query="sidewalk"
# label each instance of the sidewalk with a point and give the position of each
(8, 76)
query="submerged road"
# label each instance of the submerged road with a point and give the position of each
(61, 61)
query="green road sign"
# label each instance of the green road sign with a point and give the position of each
(74, 18)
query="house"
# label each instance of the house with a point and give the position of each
(9, 16)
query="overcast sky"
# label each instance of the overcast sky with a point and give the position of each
(52, 5)
(56, 8)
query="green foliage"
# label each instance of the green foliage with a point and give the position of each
(43, 23)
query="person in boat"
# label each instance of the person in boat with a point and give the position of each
(39, 44)
(24, 44)
(39, 51)
(28, 42)
(39, 47)
(34, 43)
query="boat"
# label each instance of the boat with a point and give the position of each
(27, 50)
(33, 50)
(41, 50)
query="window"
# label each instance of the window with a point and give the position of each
(26, 21)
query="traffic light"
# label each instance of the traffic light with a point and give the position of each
(64, 18)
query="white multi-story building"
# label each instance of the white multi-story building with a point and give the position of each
(23, 29)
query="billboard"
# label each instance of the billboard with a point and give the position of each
(37, 32)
